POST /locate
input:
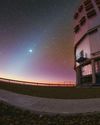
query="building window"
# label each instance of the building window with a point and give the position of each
(76, 29)
(80, 8)
(89, 7)
(87, 70)
(91, 13)
(97, 2)
(86, 2)
(76, 16)
(82, 21)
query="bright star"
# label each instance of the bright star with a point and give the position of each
(30, 50)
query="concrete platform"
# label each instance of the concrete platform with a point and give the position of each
(51, 106)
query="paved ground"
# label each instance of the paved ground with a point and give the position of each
(55, 106)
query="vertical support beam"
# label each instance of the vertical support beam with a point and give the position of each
(78, 75)
(93, 72)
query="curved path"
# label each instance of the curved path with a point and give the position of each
(55, 106)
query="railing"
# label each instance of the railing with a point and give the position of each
(63, 84)
(80, 59)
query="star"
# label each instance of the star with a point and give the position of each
(30, 50)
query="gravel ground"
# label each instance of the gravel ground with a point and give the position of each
(53, 106)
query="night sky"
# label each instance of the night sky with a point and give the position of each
(36, 40)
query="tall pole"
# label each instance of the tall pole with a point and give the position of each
(93, 72)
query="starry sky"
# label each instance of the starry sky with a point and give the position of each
(36, 40)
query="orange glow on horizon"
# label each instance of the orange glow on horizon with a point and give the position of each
(12, 77)
(17, 79)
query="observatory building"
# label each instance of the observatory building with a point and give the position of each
(87, 42)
